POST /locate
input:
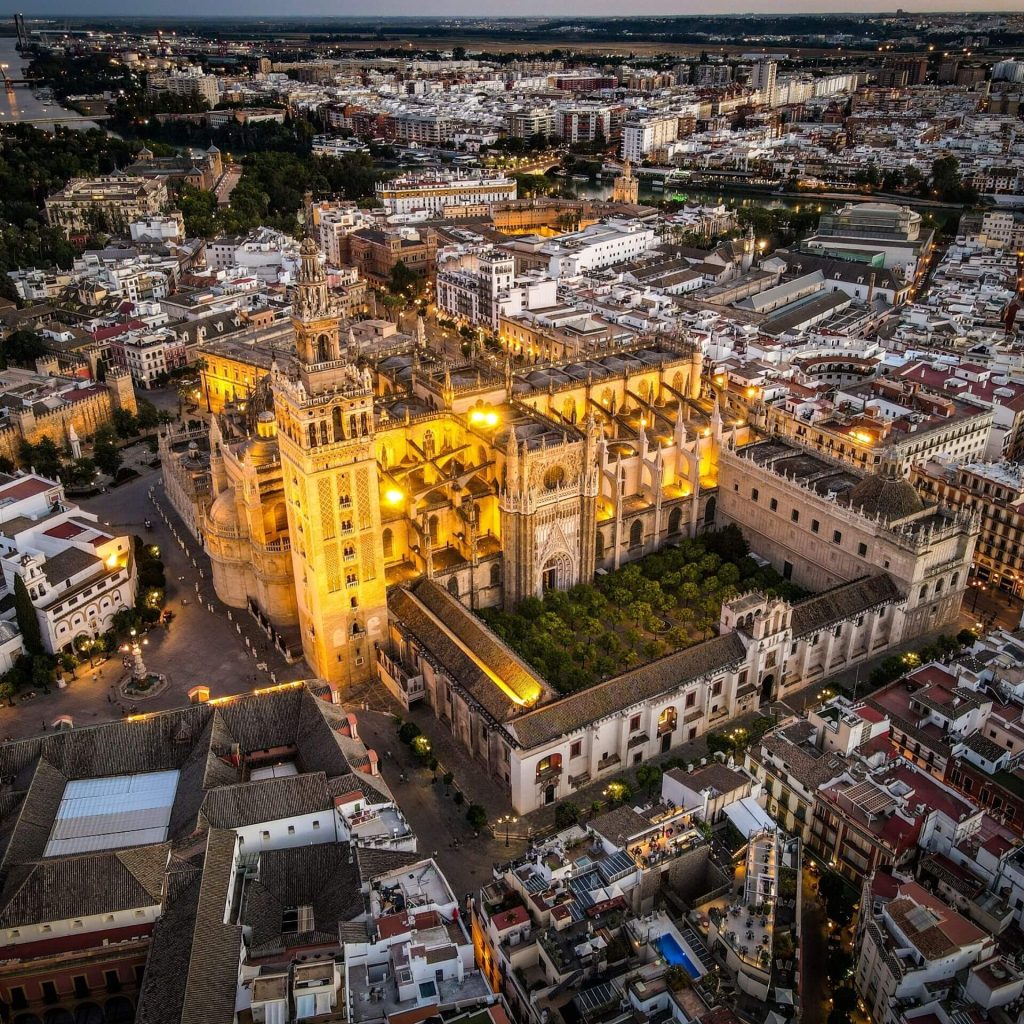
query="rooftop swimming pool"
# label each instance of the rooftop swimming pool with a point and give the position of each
(673, 953)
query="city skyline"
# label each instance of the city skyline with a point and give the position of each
(483, 8)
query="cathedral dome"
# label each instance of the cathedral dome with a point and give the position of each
(887, 495)
(222, 512)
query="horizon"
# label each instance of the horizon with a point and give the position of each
(482, 9)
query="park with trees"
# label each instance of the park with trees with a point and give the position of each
(663, 602)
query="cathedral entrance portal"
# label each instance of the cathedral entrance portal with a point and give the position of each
(557, 572)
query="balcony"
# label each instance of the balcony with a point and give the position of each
(551, 772)
(608, 762)
(579, 780)
(638, 741)
(667, 726)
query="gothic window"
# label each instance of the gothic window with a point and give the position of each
(352, 425)
(312, 435)
(554, 477)
(453, 586)
(364, 424)
(429, 449)
(674, 518)
(495, 575)
(709, 511)
(323, 348)
(336, 423)
(432, 525)
(323, 432)
(636, 534)
(389, 543)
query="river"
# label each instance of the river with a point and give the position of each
(603, 190)
(22, 103)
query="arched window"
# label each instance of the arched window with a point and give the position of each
(428, 444)
(389, 543)
(365, 424)
(709, 511)
(323, 432)
(495, 575)
(312, 435)
(339, 434)
(432, 525)
(453, 586)
(667, 721)
(674, 519)
(924, 592)
(938, 588)
(554, 477)
(636, 534)
(954, 579)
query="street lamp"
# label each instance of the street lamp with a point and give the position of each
(507, 820)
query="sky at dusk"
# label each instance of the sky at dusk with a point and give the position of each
(550, 8)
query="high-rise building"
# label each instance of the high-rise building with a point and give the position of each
(762, 77)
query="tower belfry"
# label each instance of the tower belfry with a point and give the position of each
(325, 432)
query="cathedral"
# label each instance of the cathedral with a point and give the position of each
(367, 503)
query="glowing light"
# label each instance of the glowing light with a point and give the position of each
(393, 496)
(484, 417)
(863, 436)
(112, 561)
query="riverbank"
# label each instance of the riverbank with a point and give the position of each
(25, 104)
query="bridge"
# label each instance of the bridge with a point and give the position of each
(60, 117)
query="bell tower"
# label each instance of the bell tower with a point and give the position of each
(325, 429)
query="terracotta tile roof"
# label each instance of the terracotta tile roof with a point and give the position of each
(633, 687)
(62, 888)
(469, 653)
(267, 800)
(843, 602)
(321, 877)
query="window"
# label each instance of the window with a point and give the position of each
(634, 723)
(691, 700)
(81, 986)
(291, 830)
(265, 835)
(316, 825)
(753, 494)
(576, 748)
(815, 526)
(773, 505)
(50, 994)
(862, 549)
(795, 515)
(716, 689)
(18, 1000)
(787, 570)
(837, 537)
(112, 981)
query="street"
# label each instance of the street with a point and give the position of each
(199, 646)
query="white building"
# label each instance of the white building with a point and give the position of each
(471, 285)
(645, 136)
(433, 191)
(911, 948)
(78, 575)
(599, 245)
